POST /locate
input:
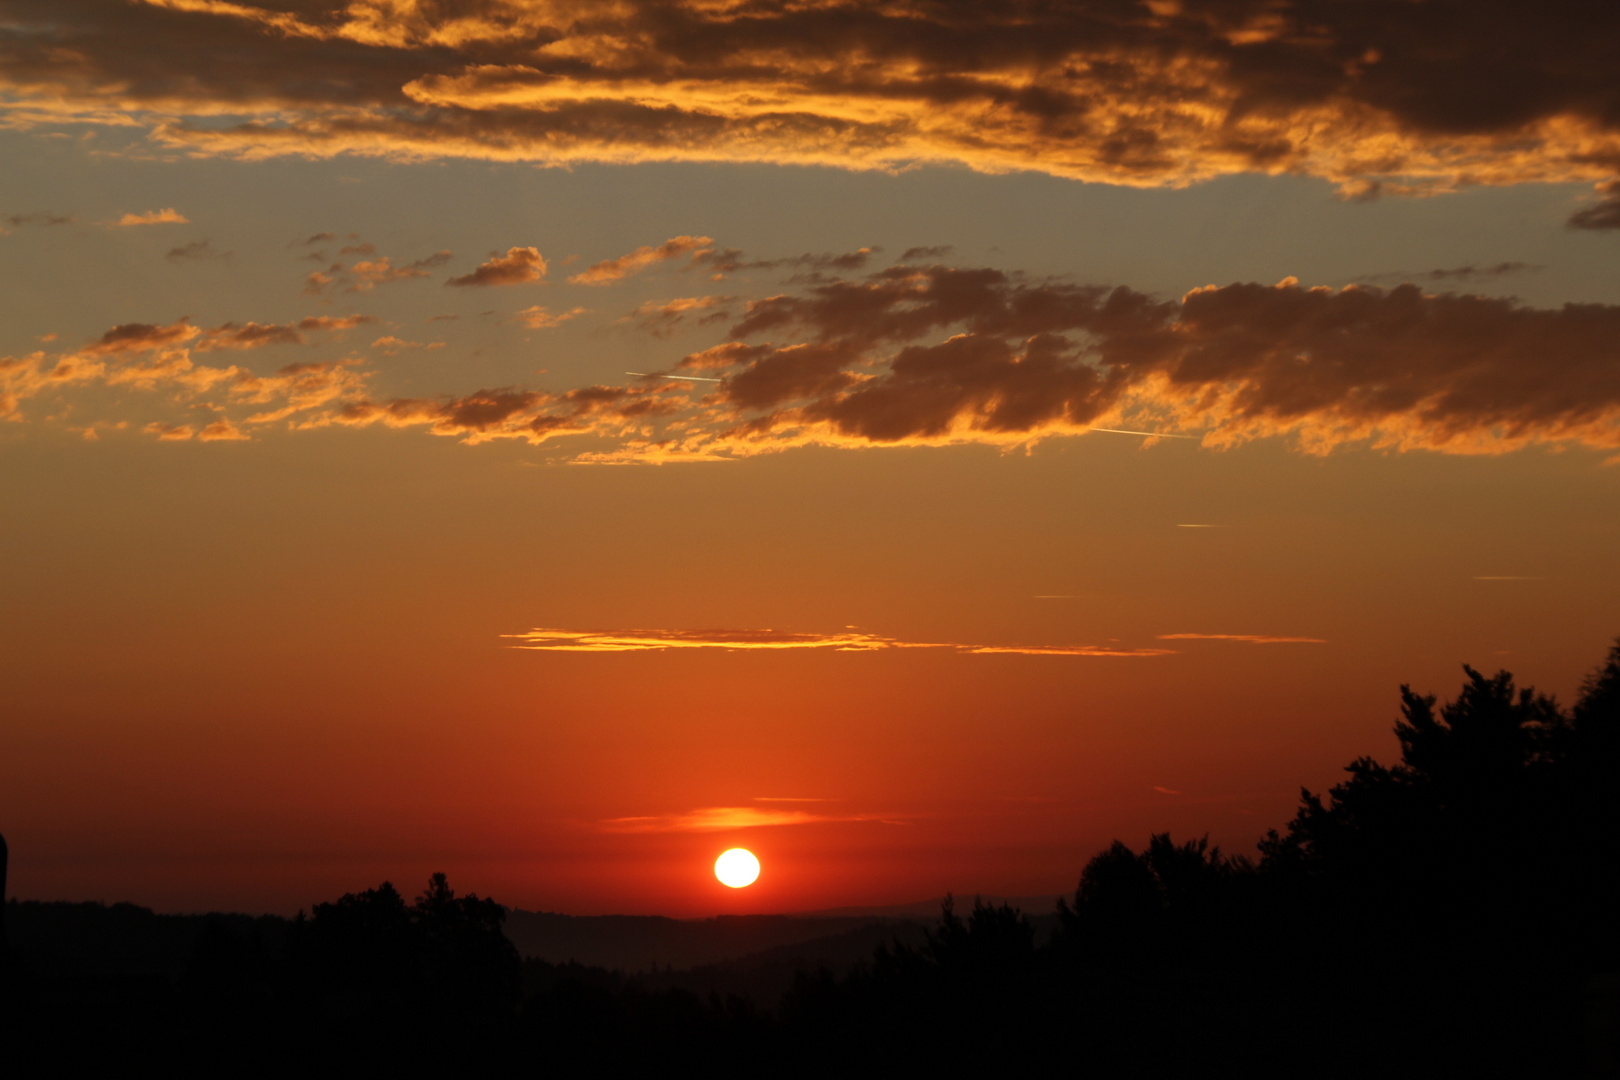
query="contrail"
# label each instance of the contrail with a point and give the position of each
(693, 378)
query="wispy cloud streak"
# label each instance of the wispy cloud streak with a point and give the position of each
(776, 640)
(725, 818)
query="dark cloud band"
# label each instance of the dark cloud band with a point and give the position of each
(1378, 95)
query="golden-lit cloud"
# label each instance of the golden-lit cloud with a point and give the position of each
(369, 273)
(170, 432)
(169, 216)
(531, 415)
(611, 270)
(538, 318)
(519, 266)
(252, 335)
(222, 431)
(157, 359)
(142, 337)
(777, 640)
(36, 220)
(662, 319)
(1379, 98)
(936, 355)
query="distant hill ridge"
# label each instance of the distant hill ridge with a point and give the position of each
(77, 939)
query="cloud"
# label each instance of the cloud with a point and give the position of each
(916, 253)
(1385, 98)
(37, 219)
(252, 335)
(723, 261)
(197, 249)
(518, 266)
(319, 281)
(725, 818)
(170, 432)
(663, 319)
(222, 431)
(513, 413)
(152, 357)
(776, 640)
(538, 318)
(1603, 214)
(611, 270)
(373, 272)
(169, 216)
(390, 345)
(1458, 273)
(1252, 639)
(937, 355)
(368, 273)
(142, 337)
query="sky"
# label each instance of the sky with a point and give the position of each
(553, 443)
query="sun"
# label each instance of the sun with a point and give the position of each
(737, 868)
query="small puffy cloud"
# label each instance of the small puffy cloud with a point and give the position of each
(252, 335)
(197, 249)
(367, 273)
(170, 432)
(1456, 273)
(914, 254)
(663, 319)
(723, 261)
(538, 318)
(1603, 214)
(510, 413)
(222, 431)
(168, 216)
(373, 272)
(611, 270)
(142, 337)
(35, 219)
(319, 281)
(519, 266)
(721, 357)
(390, 345)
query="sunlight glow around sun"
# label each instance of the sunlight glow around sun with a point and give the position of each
(736, 868)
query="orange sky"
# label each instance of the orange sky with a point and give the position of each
(326, 402)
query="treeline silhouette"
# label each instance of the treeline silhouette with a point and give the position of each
(1452, 914)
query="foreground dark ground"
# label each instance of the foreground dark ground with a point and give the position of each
(1454, 914)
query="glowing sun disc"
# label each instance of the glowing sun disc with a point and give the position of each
(736, 868)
